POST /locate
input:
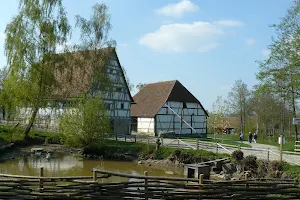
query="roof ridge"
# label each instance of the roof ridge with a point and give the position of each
(161, 82)
(170, 91)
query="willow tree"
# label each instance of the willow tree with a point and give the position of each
(280, 73)
(31, 44)
(91, 61)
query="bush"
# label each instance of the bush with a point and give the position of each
(237, 155)
(250, 163)
(85, 122)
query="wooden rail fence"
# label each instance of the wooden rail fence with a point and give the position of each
(142, 187)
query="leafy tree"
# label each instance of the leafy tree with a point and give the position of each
(96, 48)
(281, 72)
(238, 102)
(216, 119)
(3, 96)
(31, 42)
(85, 122)
(140, 86)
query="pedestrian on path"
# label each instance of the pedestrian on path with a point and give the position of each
(241, 136)
(255, 137)
(250, 137)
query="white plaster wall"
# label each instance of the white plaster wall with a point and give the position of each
(146, 125)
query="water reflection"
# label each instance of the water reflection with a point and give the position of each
(70, 165)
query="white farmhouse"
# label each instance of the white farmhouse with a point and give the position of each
(168, 107)
(117, 98)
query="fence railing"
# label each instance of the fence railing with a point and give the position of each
(142, 187)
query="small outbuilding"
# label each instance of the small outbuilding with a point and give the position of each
(165, 107)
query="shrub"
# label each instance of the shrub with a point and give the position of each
(250, 163)
(85, 122)
(276, 165)
(237, 155)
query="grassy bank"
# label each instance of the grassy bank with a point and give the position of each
(112, 149)
(270, 140)
(11, 134)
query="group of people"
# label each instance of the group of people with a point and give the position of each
(251, 137)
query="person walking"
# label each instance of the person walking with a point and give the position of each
(241, 136)
(255, 137)
(250, 137)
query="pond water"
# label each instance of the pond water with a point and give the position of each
(71, 165)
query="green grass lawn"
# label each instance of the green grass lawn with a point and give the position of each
(10, 134)
(288, 146)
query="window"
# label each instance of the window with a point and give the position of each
(119, 89)
(122, 105)
(184, 104)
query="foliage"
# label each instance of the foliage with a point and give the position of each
(140, 86)
(250, 163)
(238, 102)
(96, 48)
(85, 122)
(111, 149)
(216, 119)
(280, 73)
(3, 96)
(15, 134)
(31, 41)
(237, 155)
(292, 171)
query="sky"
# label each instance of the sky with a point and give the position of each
(205, 44)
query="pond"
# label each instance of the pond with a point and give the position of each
(71, 165)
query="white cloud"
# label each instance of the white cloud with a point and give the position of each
(266, 52)
(250, 41)
(178, 9)
(198, 36)
(228, 23)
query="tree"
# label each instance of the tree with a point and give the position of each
(31, 44)
(3, 96)
(216, 119)
(281, 72)
(96, 49)
(238, 102)
(85, 122)
(140, 86)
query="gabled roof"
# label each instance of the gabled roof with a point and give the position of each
(153, 96)
(77, 80)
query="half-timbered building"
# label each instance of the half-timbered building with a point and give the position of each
(168, 107)
(116, 96)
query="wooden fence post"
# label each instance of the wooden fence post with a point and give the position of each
(200, 185)
(268, 157)
(146, 185)
(162, 141)
(41, 180)
(246, 178)
(135, 138)
(125, 138)
(178, 143)
(94, 175)
(217, 147)
(116, 137)
(197, 143)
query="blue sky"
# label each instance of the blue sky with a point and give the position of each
(205, 44)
